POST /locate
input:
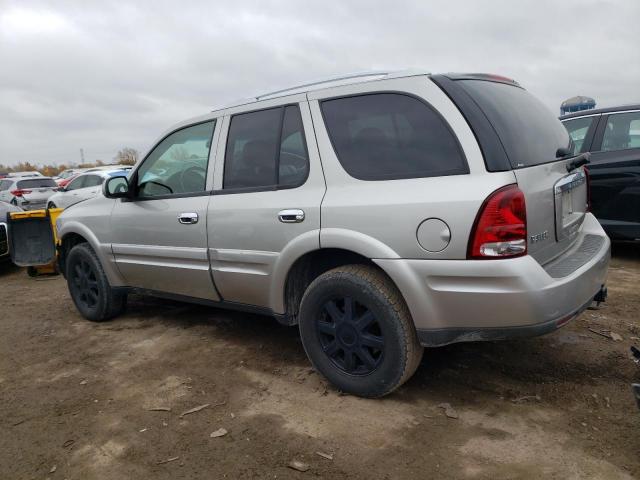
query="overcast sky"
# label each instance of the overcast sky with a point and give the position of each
(82, 74)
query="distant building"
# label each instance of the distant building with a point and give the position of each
(577, 104)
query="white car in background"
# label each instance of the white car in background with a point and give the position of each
(28, 193)
(29, 174)
(85, 186)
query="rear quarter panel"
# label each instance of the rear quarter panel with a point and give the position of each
(389, 212)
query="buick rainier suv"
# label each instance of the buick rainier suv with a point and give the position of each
(380, 213)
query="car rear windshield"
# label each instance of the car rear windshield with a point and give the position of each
(529, 132)
(37, 183)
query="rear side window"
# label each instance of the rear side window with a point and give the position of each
(578, 129)
(5, 184)
(266, 148)
(76, 183)
(37, 183)
(387, 136)
(93, 181)
(529, 132)
(622, 132)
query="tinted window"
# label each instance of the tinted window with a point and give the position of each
(388, 135)
(178, 164)
(294, 160)
(529, 132)
(37, 183)
(266, 148)
(5, 184)
(93, 181)
(622, 132)
(578, 128)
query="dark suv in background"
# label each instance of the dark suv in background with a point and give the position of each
(612, 135)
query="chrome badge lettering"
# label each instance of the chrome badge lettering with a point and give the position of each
(539, 237)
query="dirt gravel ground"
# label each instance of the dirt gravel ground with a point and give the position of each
(77, 399)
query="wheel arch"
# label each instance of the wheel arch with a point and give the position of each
(73, 233)
(309, 266)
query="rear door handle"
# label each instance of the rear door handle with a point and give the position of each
(291, 215)
(188, 218)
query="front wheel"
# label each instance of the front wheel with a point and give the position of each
(358, 332)
(89, 288)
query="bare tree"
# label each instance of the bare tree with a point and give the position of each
(127, 156)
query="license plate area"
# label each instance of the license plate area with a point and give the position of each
(570, 195)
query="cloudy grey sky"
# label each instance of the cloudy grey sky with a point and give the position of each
(103, 75)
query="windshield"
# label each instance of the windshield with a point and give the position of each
(37, 183)
(529, 132)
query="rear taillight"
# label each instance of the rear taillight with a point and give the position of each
(500, 229)
(19, 192)
(586, 174)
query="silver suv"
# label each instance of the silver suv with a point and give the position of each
(380, 212)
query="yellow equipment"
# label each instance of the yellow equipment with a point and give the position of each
(33, 240)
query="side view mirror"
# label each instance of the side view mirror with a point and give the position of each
(116, 187)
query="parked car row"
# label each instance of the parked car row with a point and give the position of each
(43, 192)
(82, 187)
(68, 175)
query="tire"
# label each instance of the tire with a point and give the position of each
(32, 272)
(357, 331)
(51, 205)
(89, 288)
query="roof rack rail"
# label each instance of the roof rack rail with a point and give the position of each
(348, 76)
(387, 74)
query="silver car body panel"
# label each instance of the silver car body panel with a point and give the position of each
(553, 224)
(91, 221)
(389, 212)
(480, 294)
(249, 245)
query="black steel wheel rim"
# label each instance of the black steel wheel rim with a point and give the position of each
(350, 335)
(85, 284)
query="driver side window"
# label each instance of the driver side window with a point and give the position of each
(178, 164)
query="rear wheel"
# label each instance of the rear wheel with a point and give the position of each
(51, 205)
(89, 288)
(358, 332)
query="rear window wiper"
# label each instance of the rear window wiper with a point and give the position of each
(579, 161)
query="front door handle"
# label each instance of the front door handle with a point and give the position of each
(188, 218)
(291, 215)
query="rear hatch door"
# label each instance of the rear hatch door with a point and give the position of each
(37, 190)
(528, 136)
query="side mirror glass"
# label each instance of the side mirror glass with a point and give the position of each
(116, 187)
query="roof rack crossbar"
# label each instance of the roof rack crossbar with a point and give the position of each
(326, 80)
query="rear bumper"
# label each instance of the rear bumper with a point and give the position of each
(35, 205)
(469, 300)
